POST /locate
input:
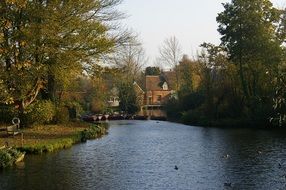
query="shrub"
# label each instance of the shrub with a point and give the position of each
(93, 132)
(173, 110)
(192, 117)
(62, 114)
(8, 157)
(41, 112)
(7, 113)
(5, 159)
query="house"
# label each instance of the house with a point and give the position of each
(157, 90)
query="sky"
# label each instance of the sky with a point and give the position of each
(192, 22)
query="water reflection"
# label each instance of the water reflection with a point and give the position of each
(143, 154)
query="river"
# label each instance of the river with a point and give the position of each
(144, 154)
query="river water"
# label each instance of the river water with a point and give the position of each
(143, 155)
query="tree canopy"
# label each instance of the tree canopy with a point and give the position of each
(249, 33)
(46, 41)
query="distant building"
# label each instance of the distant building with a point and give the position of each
(157, 90)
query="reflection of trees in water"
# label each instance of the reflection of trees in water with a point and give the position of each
(153, 112)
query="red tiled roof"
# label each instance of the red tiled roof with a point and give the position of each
(153, 83)
(170, 77)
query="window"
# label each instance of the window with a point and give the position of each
(159, 98)
(150, 100)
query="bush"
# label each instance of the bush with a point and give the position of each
(67, 111)
(41, 112)
(62, 114)
(173, 110)
(8, 157)
(7, 113)
(194, 117)
(5, 159)
(93, 132)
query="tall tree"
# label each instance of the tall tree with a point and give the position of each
(43, 42)
(170, 54)
(248, 29)
(130, 59)
(280, 97)
(128, 98)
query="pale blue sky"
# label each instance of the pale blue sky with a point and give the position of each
(191, 21)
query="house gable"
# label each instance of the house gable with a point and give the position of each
(165, 86)
(157, 90)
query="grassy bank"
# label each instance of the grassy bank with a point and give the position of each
(48, 138)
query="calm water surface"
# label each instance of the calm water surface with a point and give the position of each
(143, 154)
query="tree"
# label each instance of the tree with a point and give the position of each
(128, 98)
(46, 42)
(218, 82)
(170, 54)
(130, 59)
(280, 97)
(186, 73)
(152, 71)
(282, 26)
(248, 29)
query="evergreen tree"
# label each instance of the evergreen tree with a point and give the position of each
(128, 99)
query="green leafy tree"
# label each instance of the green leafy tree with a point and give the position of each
(128, 99)
(152, 71)
(248, 29)
(44, 43)
(189, 75)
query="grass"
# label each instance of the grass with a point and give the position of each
(48, 138)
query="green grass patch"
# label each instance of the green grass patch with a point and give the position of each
(51, 145)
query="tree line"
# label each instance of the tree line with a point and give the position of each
(50, 48)
(241, 81)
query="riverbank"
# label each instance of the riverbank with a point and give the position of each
(227, 123)
(48, 138)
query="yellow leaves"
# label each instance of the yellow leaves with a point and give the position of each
(7, 24)
(10, 1)
(9, 101)
(18, 3)
(23, 65)
(23, 43)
